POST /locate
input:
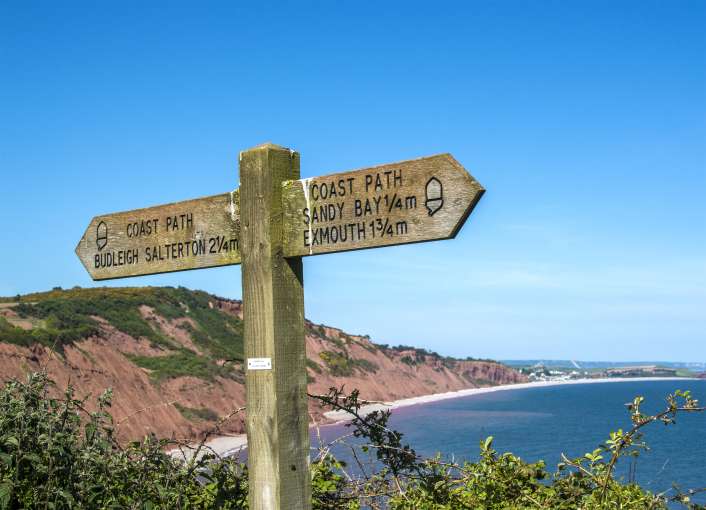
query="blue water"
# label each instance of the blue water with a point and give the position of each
(541, 423)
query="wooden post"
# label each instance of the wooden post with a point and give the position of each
(273, 312)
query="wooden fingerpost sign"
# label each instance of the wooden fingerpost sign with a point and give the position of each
(272, 221)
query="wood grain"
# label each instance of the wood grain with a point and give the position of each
(273, 311)
(192, 234)
(411, 201)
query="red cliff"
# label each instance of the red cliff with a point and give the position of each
(173, 357)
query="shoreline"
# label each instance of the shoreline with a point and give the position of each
(230, 445)
(343, 416)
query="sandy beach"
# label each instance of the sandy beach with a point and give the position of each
(230, 445)
(342, 416)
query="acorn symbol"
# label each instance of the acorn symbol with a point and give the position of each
(435, 196)
(101, 235)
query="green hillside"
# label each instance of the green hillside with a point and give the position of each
(62, 317)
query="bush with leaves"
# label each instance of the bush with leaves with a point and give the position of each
(56, 454)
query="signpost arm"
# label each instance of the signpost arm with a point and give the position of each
(273, 302)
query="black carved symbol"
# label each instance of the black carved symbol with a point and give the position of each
(435, 195)
(101, 235)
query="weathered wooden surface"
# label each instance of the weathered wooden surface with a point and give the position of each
(193, 234)
(273, 311)
(406, 202)
(410, 201)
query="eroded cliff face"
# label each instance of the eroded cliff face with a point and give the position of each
(167, 356)
(383, 373)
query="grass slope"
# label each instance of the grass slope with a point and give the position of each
(62, 317)
(67, 316)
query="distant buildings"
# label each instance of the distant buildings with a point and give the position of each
(540, 372)
(641, 371)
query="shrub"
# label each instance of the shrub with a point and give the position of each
(365, 365)
(55, 454)
(14, 335)
(183, 363)
(369, 346)
(196, 413)
(408, 360)
(313, 365)
(341, 365)
(338, 364)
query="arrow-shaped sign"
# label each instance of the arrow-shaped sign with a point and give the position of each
(192, 234)
(406, 202)
(411, 201)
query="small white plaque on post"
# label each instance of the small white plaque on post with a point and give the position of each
(259, 363)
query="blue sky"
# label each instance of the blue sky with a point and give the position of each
(585, 121)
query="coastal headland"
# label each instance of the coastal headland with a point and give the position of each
(174, 358)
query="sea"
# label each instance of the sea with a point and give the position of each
(541, 423)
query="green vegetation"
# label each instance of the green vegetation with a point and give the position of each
(487, 360)
(314, 366)
(365, 365)
(408, 360)
(60, 327)
(420, 355)
(319, 330)
(369, 346)
(196, 413)
(217, 332)
(70, 315)
(338, 364)
(182, 364)
(342, 365)
(14, 335)
(449, 363)
(63, 317)
(55, 454)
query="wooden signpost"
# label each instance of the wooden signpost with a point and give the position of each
(272, 221)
